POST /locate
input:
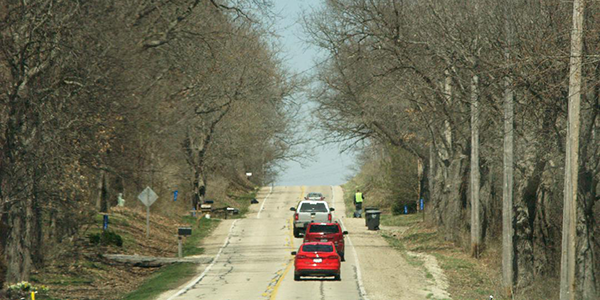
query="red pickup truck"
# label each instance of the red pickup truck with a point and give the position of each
(326, 232)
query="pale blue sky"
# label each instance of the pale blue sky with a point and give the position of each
(329, 167)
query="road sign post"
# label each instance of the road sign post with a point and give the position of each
(147, 222)
(147, 196)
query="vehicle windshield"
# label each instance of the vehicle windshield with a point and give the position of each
(317, 248)
(313, 207)
(314, 195)
(324, 228)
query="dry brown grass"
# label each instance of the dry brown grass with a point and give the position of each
(79, 272)
(468, 278)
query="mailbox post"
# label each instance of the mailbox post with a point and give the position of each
(181, 232)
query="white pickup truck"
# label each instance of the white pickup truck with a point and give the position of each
(310, 211)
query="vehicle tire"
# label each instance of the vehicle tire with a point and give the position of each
(338, 277)
(297, 232)
(342, 256)
(296, 277)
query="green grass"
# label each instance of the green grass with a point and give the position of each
(200, 229)
(167, 278)
(66, 280)
(401, 220)
(450, 263)
(95, 265)
(113, 219)
(243, 202)
(172, 276)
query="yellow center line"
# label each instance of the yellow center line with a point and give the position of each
(291, 261)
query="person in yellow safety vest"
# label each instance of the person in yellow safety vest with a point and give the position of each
(358, 201)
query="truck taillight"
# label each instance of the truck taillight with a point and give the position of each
(296, 216)
(329, 217)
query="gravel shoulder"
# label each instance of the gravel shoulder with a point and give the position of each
(386, 273)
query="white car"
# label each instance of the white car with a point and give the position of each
(310, 211)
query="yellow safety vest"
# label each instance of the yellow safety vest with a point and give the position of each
(358, 198)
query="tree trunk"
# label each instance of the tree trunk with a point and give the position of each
(36, 226)
(526, 197)
(447, 135)
(474, 172)
(17, 184)
(487, 202)
(199, 188)
(18, 248)
(547, 239)
(425, 193)
(586, 273)
(567, 271)
(450, 193)
(431, 173)
(100, 194)
(586, 278)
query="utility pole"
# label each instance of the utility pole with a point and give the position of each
(508, 250)
(567, 259)
(475, 174)
(475, 180)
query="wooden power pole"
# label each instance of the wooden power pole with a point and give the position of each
(508, 250)
(475, 174)
(567, 260)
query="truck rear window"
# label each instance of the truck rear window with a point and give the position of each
(317, 248)
(313, 207)
(324, 228)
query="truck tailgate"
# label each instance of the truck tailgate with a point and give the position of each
(318, 217)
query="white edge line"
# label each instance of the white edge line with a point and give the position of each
(264, 201)
(361, 287)
(189, 286)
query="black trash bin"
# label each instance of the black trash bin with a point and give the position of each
(366, 210)
(372, 217)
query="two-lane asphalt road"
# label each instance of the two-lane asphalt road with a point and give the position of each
(253, 260)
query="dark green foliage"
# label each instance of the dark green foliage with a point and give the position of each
(106, 238)
(398, 206)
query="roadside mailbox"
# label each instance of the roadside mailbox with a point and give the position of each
(206, 207)
(184, 231)
(181, 232)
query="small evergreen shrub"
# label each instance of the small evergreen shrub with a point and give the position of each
(106, 238)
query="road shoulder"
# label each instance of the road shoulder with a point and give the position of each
(386, 274)
(212, 245)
